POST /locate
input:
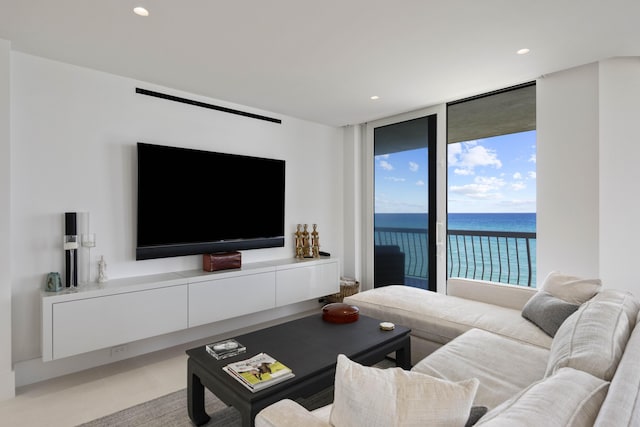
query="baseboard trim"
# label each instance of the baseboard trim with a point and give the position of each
(7, 385)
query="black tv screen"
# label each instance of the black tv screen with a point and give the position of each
(195, 202)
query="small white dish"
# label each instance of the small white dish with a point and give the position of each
(387, 326)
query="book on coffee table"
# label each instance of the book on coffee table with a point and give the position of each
(259, 372)
(223, 349)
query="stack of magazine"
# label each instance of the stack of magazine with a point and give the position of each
(227, 348)
(258, 372)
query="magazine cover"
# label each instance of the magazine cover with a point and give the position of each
(259, 371)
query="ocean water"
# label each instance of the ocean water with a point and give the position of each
(507, 264)
(523, 222)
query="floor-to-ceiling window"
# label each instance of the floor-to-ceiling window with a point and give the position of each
(491, 187)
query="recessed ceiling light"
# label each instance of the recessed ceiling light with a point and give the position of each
(140, 11)
(374, 97)
(523, 51)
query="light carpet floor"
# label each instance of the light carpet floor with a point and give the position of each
(171, 410)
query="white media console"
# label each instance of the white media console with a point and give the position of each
(124, 310)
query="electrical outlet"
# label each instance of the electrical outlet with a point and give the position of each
(118, 351)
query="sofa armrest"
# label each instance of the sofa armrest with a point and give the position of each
(504, 295)
(287, 413)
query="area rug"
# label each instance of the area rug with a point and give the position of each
(171, 410)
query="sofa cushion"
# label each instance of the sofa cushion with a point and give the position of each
(324, 414)
(440, 318)
(503, 366)
(570, 398)
(594, 337)
(573, 289)
(629, 303)
(548, 312)
(288, 413)
(368, 396)
(621, 407)
(502, 294)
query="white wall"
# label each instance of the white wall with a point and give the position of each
(619, 85)
(567, 173)
(353, 211)
(7, 377)
(73, 140)
(588, 174)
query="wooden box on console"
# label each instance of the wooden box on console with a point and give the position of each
(221, 261)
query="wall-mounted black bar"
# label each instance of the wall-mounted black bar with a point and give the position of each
(205, 105)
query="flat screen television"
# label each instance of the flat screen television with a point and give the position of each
(196, 202)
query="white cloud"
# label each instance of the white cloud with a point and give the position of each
(395, 179)
(517, 175)
(386, 165)
(482, 188)
(453, 151)
(532, 174)
(490, 180)
(467, 156)
(462, 172)
(517, 186)
(420, 183)
(532, 159)
(413, 166)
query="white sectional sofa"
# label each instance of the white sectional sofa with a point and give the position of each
(586, 373)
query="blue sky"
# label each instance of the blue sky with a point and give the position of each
(486, 175)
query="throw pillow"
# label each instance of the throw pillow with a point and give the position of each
(591, 340)
(373, 397)
(476, 413)
(575, 290)
(547, 312)
(570, 398)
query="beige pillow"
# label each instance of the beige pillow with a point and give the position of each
(575, 290)
(570, 398)
(592, 340)
(373, 397)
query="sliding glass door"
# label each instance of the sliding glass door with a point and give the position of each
(404, 202)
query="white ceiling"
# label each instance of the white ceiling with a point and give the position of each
(322, 60)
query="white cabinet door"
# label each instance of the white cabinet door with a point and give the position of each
(104, 321)
(302, 283)
(219, 299)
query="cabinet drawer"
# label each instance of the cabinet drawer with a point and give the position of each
(104, 321)
(215, 300)
(305, 283)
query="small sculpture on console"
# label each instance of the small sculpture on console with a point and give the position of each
(306, 242)
(315, 241)
(299, 244)
(102, 270)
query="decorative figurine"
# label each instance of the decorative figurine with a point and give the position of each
(306, 243)
(102, 270)
(298, 237)
(315, 241)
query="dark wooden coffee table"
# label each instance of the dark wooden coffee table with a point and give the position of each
(309, 346)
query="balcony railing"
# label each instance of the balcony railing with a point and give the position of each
(413, 242)
(499, 256)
